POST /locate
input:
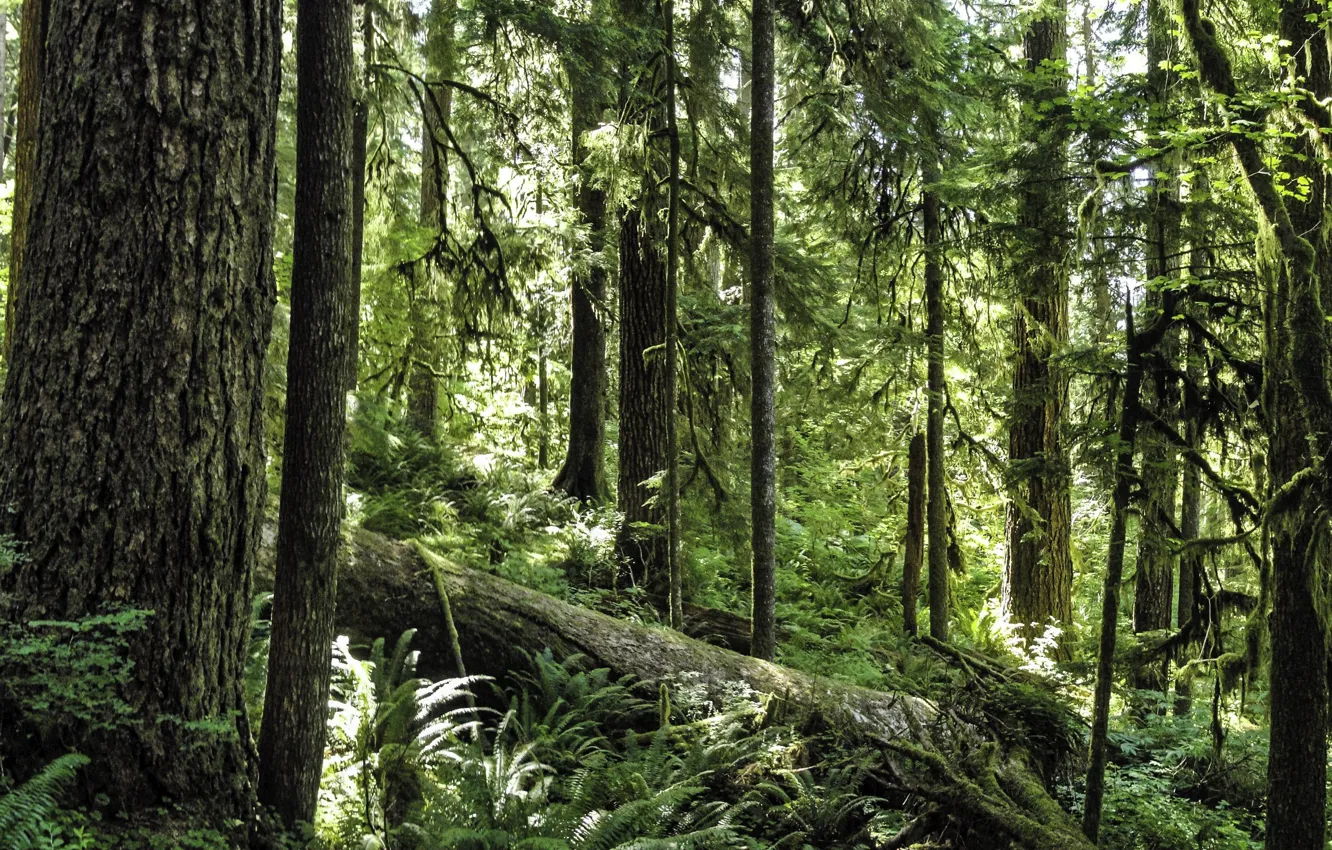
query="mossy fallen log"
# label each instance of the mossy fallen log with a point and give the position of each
(385, 587)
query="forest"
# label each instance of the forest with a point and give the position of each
(665, 424)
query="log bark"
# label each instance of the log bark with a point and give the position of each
(384, 587)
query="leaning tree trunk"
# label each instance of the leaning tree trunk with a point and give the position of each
(32, 56)
(642, 542)
(583, 473)
(291, 740)
(131, 443)
(1038, 569)
(360, 145)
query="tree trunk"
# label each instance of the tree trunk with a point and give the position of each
(385, 586)
(4, 84)
(642, 541)
(1297, 412)
(291, 740)
(672, 482)
(938, 506)
(763, 333)
(1138, 345)
(914, 550)
(1153, 591)
(32, 60)
(360, 143)
(583, 473)
(422, 380)
(131, 440)
(1038, 569)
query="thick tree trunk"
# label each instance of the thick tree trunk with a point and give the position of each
(938, 504)
(291, 740)
(1038, 569)
(763, 334)
(913, 551)
(32, 59)
(1297, 411)
(642, 542)
(131, 444)
(583, 473)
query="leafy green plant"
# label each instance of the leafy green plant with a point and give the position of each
(25, 810)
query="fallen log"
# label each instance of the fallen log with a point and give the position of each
(385, 587)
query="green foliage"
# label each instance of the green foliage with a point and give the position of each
(69, 674)
(25, 811)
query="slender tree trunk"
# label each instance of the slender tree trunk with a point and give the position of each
(4, 83)
(32, 60)
(1190, 515)
(1157, 528)
(131, 438)
(422, 381)
(763, 333)
(1137, 345)
(672, 330)
(1038, 569)
(360, 143)
(934, 322)
(914, 549)
(642, 543)
(291, 740)
(583, 474)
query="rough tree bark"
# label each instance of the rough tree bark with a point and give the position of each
(934, 330)
(1297, 412)
(1153, 590)
(1038, 569)
(32, 57)
(642, 541)
(763, 333)
(291, 739)
(914, 548)
(672, 482)
(131, 442)
(583, 473)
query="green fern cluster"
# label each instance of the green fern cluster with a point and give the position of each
(25, 810)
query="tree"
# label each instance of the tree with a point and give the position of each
(437, 111)
(360, 145)
(672, 482)
(583, 475)
(1038, 570)
(1155, 573)
(914, 548)
(1297, 412)
(763, 333)
(934, 330)
(32, 57)
(131, 439)
(291, 740)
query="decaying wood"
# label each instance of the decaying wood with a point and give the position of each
(384, 587)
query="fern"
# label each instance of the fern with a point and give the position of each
(23, 810)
